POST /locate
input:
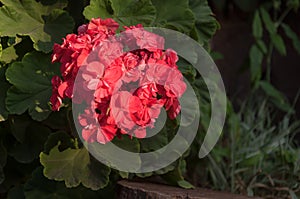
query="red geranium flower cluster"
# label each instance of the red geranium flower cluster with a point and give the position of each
(125, 90)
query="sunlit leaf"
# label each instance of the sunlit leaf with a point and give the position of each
(3, 89)
(180, 17)
(206, 24)
(185, 184)
(44, 24)
(126, 12)
(73, 166)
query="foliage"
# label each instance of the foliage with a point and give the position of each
(31, 80)
(40, 155)
(264, 22)
(258, 154)
(192, 17)
(259, 157)
(45, 24)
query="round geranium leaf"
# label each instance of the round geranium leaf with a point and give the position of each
(73, 166)
(44, 24)
(31, 90)
(3, 89)
(126, 12)
(35, 136)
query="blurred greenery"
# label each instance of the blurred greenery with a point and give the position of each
(258, 154)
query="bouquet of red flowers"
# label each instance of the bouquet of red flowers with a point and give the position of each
(125, 89)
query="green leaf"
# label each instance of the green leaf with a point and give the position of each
(65, 166)
(40, 187)
(57, 24)
(270, 26)
(126, 12)
(111, 154)
(257, 29)
(271, 90)
(278, 98)
(57, 120)
(74, 167)
(3, 89)
(16, 192)
(9, 53)
(11, 41)
(65, 141)
(162, 171)
(174, 14)
(96, 176)
(18, 102)
(124, 174)
(205, 24)
(293, 36)
(29, 149)
(256, 58)
(18, 126)
(191, 104)
(155, 142)
(98, 8)
(185, 184)
(175, 177)
(0, 49)
(31, 90)
(215, 55)
(278, 43)
(262, 46)
(3, 155)
(131, 12)
(16, 173)
(44, 24)
(293, 194)
(127, 143)
(187, 70)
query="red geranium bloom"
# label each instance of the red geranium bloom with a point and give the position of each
(125, 91)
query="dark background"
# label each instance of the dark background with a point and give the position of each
(233, 41)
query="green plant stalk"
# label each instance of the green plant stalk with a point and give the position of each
(271, 46)
(218, 172)
(282, 17)
(232, 154)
